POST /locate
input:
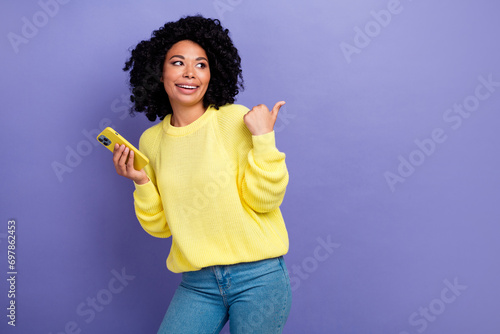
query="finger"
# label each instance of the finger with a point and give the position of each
(117, 153)
(130, 163)
(277, 108)
(123, 158)
(258, 108)
(249, 113)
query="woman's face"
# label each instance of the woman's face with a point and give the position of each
(186, 74)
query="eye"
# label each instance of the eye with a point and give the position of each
(201, 65)
(177, 63)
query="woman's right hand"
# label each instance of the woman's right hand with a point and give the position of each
(120, 154)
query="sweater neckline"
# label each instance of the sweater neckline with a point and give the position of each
(188, 129)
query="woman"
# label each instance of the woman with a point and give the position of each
(214, 183)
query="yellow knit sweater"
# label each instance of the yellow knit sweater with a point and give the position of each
(214, 188)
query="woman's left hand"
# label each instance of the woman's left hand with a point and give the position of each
(259, 120)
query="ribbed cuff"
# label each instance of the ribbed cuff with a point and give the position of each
(146, 190)
(264, 144)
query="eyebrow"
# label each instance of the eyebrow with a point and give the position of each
(182, 57)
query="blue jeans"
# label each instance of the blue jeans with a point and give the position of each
(255, 297)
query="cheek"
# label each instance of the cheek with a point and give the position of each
(206, 79)
(167, 81)
(166, 87)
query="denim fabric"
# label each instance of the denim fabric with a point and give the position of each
(255, 297)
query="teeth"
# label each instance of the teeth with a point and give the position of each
(187, 87)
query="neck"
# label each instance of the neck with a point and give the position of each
(182, 116)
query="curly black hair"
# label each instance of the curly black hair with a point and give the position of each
(148, 57)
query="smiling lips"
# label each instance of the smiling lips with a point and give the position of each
(187, 88)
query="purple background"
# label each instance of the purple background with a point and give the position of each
(349, 119)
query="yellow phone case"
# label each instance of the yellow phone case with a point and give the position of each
(109, 137)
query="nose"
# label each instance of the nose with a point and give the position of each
(188, 72)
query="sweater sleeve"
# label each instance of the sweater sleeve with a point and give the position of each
(147, 200)
(265, 176)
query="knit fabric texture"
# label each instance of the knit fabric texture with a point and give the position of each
(215, 189)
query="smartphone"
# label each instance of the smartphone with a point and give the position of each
(109, 137)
